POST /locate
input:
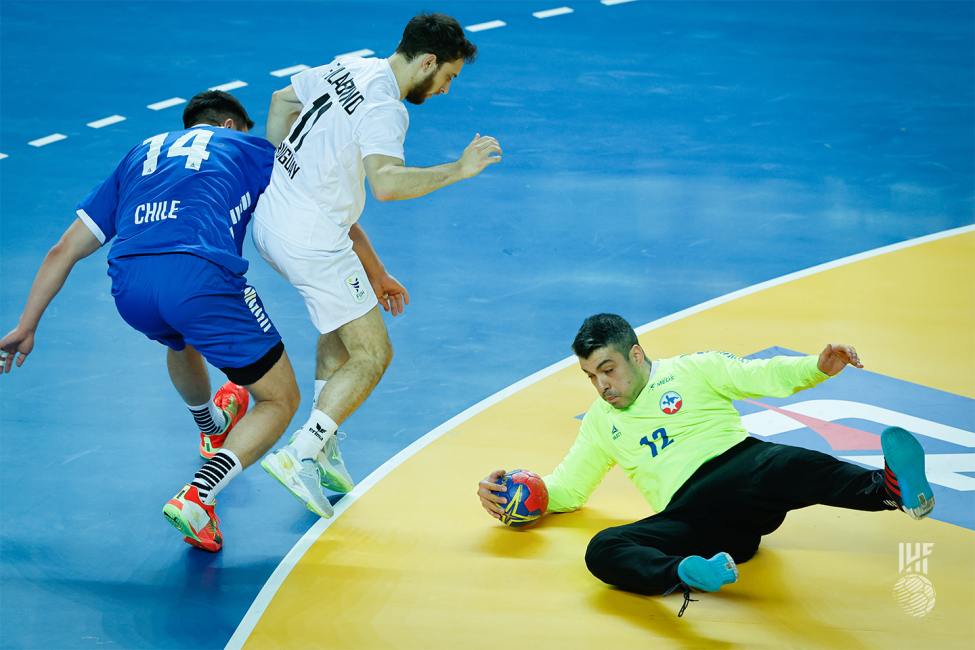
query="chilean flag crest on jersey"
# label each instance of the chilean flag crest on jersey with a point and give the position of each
(671, 402)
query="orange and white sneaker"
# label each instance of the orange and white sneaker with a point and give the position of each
(232, 400)
(195, 519)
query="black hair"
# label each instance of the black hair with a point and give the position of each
(437, 34)
(604, 330)
(214, 107)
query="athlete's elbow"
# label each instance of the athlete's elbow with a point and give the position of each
(380, 192)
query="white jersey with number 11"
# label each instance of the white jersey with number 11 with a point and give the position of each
(351, 109)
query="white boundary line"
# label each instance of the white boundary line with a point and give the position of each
(277, 578)
(46, 140)
(287, 72)
(480, 27)
(114, 119)
(802, 274)
(362, 53)
(548, 13)
(232, 85)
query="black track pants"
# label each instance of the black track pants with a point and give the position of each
(727, 505)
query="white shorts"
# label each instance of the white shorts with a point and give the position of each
(335, 286)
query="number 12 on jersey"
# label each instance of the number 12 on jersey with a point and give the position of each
(662, 433)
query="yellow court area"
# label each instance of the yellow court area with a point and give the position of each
(416, 563)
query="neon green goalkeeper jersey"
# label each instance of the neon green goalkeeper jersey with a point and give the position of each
(682, 419)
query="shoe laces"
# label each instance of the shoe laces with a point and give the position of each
(687, 596)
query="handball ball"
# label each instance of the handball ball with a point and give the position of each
(527, 498)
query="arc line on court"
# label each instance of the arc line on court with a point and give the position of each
(270, 588)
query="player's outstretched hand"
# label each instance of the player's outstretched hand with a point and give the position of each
(391, 294)
(479, 154)
(836, 357)
(19, 340)
(486, 490)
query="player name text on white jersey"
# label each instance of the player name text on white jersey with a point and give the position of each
(286, 157)
(348, 95)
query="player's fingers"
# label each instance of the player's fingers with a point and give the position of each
(491, 510)
(489, 497)
(492, 506)
(486, 484)
(398, 298)
(21, 359)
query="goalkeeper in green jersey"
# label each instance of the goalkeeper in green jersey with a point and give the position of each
(671, 426)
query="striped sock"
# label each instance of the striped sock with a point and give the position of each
(215, 475)
(209, 418)
(893, 487)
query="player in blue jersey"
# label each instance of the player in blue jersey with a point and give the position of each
(177, 206)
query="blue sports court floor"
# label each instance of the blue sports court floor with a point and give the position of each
(657, 155)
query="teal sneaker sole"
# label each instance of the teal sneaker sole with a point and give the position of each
(905, 458)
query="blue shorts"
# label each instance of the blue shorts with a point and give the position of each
(179, 299)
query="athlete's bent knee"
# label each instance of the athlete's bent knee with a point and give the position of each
(598, 552)
(292, 398)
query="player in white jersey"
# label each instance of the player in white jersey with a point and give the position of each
(334, 126)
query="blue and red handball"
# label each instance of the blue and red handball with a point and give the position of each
(527, 498)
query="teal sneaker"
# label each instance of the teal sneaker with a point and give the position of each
(300, 477)
(708, 575)
(904, 477)
(331, 468)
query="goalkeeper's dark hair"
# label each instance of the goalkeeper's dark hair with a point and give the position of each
(604, 330)
(214, 107)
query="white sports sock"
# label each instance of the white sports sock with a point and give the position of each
(209, 417)
(215, 475)
(319, 385)
(313, 435)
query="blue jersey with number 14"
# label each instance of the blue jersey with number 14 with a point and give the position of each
(190, 191)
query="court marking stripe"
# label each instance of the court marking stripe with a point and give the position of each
(3, 155)
(267, 593)
(166, 103)
(54, 137)
(287, 72)
(231, 85)
(114, 119)
(548, 13)
(158, 106)
(480, 27)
